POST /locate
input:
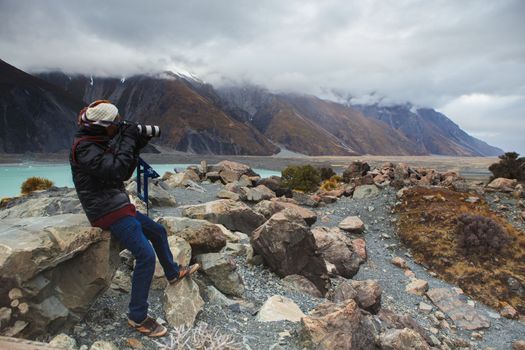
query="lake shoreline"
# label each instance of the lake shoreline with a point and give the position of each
(472, 167)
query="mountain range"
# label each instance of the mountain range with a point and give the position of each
(38, 114)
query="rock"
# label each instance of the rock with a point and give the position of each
(63, 341)
(103, 345)
(337, 249)
(217, 298)
(279, 308)
(402, 339)
(452, 303)
(518, 345)
(222, 271)
(274, 184)
(16, 329)
(54, 201)
(288, 248)
(157, 195)
(352, 224)
(359, 247)
(5, 317)
(355, 169)
(502, 184)
(256, 194)
(367, 294)
(301, 284)
(417, 287)
(337, 326)
(181, 251)
(235, 216)
(235, 249)
(180, 180)
(306, 199)
(399, 262)
(182, 303)
(225, 194)
(203, 236)
(213, 176)
(232, 171)
(424, 307)
(328, 199)
(390, 320)
(121, 281)
(365, 191)
(509, 312)
(268, 208)
(60, 264)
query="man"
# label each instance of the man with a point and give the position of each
(104, 155)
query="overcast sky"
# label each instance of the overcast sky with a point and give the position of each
(464, 58)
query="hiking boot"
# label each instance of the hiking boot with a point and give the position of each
(149, 327)
(184, 271)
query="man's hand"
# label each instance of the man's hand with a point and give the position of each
(133, 131)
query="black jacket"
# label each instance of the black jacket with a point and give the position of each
(100, 165)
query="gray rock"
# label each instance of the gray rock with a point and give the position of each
(221, 270)
(182, 303)
(63, 341)
(365, 191)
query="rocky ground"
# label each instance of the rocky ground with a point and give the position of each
(449, 319)
(106, 320)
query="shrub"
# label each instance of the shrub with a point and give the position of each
(480, 235)
(331, 183)
(326, 173)
(304, 178)
(509, 166)
(35, 184)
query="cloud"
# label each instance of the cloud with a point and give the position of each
(429, 53)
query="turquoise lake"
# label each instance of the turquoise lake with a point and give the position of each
(12, 176)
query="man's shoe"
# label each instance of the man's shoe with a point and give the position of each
(149, 327)
(185, 271)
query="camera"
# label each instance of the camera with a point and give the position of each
(144, 130)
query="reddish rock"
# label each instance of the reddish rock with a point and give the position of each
(352, 224)
(367, 294)
(399, 262)
(337, 249)
(301, 284)
(518, 345)
(402, 339)
(337, 326)
(417, 287)
(451, 302)
(268, 208)
(359, 246)
(509, 312)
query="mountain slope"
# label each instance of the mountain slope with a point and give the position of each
(189, 121)
(35, 116)
(431, 131)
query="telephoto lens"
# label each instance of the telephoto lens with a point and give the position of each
(149, 130)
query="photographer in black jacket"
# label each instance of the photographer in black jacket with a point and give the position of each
(104, 155)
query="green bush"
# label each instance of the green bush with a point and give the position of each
(480, 235)
(304, 178)
(509, 166)
(35, 184)
(326, 173)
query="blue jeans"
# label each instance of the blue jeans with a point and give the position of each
(135, 233)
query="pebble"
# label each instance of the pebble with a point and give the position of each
(424, 307)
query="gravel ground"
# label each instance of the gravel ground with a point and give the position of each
(107, 318)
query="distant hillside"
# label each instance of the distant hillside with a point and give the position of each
(35, 116)
(190, 122)
(431, 131)
(38, 115)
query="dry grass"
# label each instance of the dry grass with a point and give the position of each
(200, 337)
(427, 225)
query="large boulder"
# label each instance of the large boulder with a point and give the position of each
(203, 236)
(367, 294)
(55, 201)
(221, 269)
(54, 267)
(256, 194)
(184, 179)
(301, 284)
(236, 216)
(231, 171)
(268, 208)
(402, 339)
(337, 326)
(502, 184)
(274, 183)
(182, 303)
(337, 249)
(356, 169)
(288, 247)
(279, 308)
(365, 191)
